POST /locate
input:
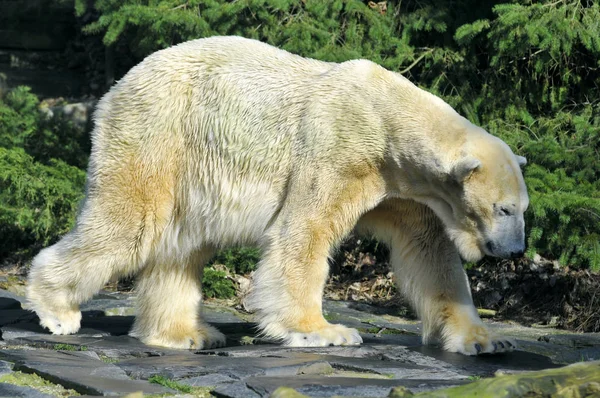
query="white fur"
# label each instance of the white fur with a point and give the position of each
(228, 141)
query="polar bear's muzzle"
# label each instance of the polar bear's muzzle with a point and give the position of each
(507, 239)
(514, 252)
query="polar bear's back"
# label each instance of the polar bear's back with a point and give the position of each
(209, 92)
(210, 123)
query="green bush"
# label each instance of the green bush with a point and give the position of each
(216, 284)
(39, 189)
(563, 178)
(538, 88)
(331, 30)
(22, 125)
(240, 260)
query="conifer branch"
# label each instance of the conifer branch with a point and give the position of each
(416, 61)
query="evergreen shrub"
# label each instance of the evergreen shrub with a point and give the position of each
(41, 182)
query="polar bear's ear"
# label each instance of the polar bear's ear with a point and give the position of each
(521, 160)
(464, 167)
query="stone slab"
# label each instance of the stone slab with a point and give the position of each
(235, 390)
(218, 314)
(572, 340)
(13, 316)
(11, 295)
(391, 360)
(113, 325)
(396, 360)
(81, 371)
(186, 365)
(110, 306)
(5, 368)
(559, 353)
(92, 322)
(116, 347)
(12, 391)
(344, 386)
(485, 365)
(7, 303)
(209, 380)
(250, 351)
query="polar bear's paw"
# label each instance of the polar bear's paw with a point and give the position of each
(60, 322)
(212, 338)
(465, 333)
(328, 336)
(477, 340)
(53, 308)
(202, 337)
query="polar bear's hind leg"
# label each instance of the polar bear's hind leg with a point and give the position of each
(169, 304)
(125, 210)
(71, 271)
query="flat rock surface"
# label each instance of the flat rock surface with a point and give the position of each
(12, 391)
(102, 360)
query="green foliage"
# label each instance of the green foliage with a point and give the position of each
(239, 260)
(563, 179)
(163, 381)
(44, 138)
(39, 191)
(330, 30)
(216, 284)
(69, 347)
(547, 55)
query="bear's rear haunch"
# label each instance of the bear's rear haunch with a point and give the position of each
(228, 141)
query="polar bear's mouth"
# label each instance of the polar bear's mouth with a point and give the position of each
(493, 250)
(489, 248)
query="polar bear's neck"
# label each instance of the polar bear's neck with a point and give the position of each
(426, 137)
(423, 126)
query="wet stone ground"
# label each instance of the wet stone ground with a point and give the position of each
(102, 360)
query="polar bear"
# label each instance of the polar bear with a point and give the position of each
(226, 141)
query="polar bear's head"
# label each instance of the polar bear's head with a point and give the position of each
(481, 197)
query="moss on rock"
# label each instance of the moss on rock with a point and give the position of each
(573, 381)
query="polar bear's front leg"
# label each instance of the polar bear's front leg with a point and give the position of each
(288, 287)
(287, 292)
(429, 273)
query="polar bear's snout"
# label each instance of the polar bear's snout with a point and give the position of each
(515, 251)
(507, 239)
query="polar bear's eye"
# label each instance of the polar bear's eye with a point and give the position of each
(502, 210)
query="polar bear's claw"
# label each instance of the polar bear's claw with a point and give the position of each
(496, 345)
(481, 343)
